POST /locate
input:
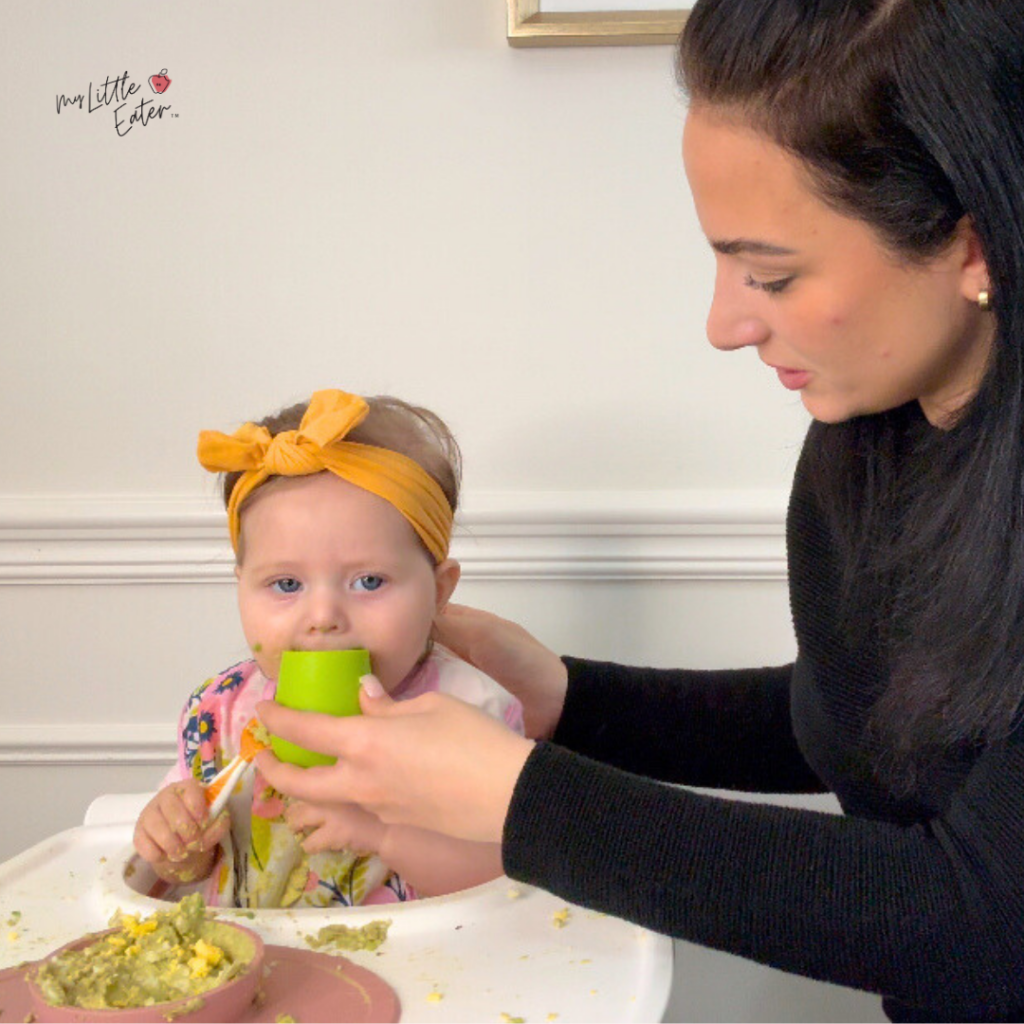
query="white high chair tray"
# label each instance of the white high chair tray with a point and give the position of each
(498, 951)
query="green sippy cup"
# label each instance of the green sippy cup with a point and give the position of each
(324, 681)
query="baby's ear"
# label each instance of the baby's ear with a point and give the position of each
(446, 579)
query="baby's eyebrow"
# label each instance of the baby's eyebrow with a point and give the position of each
(750, 247)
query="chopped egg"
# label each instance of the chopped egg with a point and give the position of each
(206, 956)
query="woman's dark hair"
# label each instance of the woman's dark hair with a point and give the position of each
(909, 115)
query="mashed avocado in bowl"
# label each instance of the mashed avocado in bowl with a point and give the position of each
(178, 961)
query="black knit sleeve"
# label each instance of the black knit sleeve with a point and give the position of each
(725, 729)
(920, 899)
(930, 914)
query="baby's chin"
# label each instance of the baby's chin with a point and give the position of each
(268, 666)
(391, 680)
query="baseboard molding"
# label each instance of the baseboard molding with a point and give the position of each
(573, 535)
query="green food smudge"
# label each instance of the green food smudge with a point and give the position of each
(342, 937)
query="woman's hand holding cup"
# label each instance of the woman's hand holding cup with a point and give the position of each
(433, 762)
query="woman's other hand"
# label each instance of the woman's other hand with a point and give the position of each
(511, 656)
(433, 762)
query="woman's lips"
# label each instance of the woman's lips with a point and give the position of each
(792, 379)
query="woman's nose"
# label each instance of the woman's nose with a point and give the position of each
(731, 323)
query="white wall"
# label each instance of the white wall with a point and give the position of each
(385, 197)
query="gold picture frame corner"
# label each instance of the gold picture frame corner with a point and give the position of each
(529, 25)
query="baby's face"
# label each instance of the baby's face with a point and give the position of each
(329, 566)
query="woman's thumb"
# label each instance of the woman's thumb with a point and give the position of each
(372, 697)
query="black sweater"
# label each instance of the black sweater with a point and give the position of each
(919, 899)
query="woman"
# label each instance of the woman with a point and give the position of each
(858, 167)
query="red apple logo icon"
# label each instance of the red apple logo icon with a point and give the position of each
(159, 83)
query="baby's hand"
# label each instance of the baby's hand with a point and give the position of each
(174, 833)
(335, 827)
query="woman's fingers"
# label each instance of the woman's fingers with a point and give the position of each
(433, 762)
(508, 653)
(460, 628)
(308, 729)
(314, 784)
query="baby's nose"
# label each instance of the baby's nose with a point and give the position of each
(327, 614)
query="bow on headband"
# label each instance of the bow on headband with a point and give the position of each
(318, 445)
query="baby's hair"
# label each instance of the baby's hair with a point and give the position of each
(410, 430)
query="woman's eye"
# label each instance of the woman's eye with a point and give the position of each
(288, 585)
(774, 287)
(369, 583)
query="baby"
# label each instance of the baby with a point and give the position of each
(341, 516)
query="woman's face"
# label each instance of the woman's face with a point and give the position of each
(842, 320)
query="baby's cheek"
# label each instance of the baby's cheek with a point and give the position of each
(269, 661)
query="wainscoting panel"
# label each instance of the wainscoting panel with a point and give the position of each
(115, 607)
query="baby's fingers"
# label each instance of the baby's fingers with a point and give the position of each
(302, 815)
(316, 840)
(156, 838)
(146, 846)
(189, 810)
(184, 808)
(214, 832)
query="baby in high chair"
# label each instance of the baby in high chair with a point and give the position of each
(341, 515)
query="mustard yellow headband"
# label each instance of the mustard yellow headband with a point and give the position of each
(317, 445)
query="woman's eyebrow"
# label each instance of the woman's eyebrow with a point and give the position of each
(750, 247)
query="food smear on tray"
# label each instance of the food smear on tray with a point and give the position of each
(335, 937)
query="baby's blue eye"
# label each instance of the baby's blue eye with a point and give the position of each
(288, 585)
(369, 583)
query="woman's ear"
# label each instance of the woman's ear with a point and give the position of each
(446, 578)
(974, 276)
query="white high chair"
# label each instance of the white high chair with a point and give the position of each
(116, 808)
(497, 947)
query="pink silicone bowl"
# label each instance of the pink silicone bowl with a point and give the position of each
(228, 1002)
